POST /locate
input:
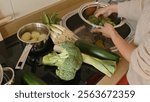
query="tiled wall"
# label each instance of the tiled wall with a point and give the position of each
(5, 8)
(18, 8)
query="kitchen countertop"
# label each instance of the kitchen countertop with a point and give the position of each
(87, 75)
(122, 69)
(62, 8)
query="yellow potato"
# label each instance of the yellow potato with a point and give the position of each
(35, 34)
(26, 36)
(42, 37)
(33, 40)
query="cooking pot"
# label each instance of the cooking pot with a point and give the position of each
(89, 8)
(6, 79)
(33, 46)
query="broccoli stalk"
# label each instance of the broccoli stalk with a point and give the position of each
(68, 61)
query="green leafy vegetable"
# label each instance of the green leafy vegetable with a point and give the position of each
(50, 19)
(100, 20)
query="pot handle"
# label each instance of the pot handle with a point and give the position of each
(22, 59)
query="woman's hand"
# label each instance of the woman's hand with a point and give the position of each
(124, 48)
(106, 11)
(107, 30)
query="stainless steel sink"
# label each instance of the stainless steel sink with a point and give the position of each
(73, 22)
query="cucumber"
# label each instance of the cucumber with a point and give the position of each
(95, 51)
(32, 79)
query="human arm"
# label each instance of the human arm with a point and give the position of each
(124, 47)
(128, 9)
(106, 11)
(140, 59)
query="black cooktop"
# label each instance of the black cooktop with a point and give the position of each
(11, 49)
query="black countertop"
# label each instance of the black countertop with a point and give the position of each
(11, 50)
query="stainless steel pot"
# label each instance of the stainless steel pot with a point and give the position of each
(6, 79)
(31, 46)
(89, 8)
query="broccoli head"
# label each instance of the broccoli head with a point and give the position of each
(68, 61)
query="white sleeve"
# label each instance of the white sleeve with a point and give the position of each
(140, 59)
(130, 9)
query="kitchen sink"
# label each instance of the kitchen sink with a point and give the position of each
(73, 22)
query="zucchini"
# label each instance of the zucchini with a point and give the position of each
(95, 51)
(32, 79)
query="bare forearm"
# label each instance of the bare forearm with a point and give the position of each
(124, 48)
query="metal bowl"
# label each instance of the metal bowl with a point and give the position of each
(89, 8)
(41, 28)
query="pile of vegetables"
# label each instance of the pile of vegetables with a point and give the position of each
(73, 52)
(100, 21)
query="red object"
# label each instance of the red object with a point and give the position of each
(123, 81)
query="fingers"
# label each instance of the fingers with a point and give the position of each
(100, 29)
(99, 12)
(103, 11)
(96, 30)
(107, 25)
(105, 30)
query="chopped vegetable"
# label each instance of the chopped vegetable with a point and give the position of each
(101, 20)
(68, 61)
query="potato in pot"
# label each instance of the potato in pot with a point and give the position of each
(26, 36)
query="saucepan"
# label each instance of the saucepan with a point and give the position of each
(89, 8)
(35, 36)
(4, 77)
